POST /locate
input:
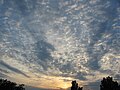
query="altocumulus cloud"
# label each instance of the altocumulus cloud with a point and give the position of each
(59, 40)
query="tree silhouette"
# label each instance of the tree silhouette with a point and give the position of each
(8, 85)
(108, 84)
(75, 86)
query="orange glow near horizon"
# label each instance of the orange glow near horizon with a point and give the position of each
(47, 82)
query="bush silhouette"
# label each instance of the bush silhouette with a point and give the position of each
(108, 84)
(8, 85)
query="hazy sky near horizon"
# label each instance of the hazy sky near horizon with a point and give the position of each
(49, 43)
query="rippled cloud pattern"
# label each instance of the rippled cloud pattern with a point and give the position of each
(59, 41)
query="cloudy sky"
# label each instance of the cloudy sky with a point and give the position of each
(49, 43)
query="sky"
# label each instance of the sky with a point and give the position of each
(49, 43)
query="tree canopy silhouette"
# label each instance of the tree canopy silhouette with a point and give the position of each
(75, 86)
(8, 85)
(108, 84)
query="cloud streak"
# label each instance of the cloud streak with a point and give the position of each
(12, 68)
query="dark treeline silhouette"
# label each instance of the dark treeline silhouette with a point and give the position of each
(75, 86)
(108, 84)
(8, 85)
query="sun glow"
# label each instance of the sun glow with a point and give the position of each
(65, 86)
